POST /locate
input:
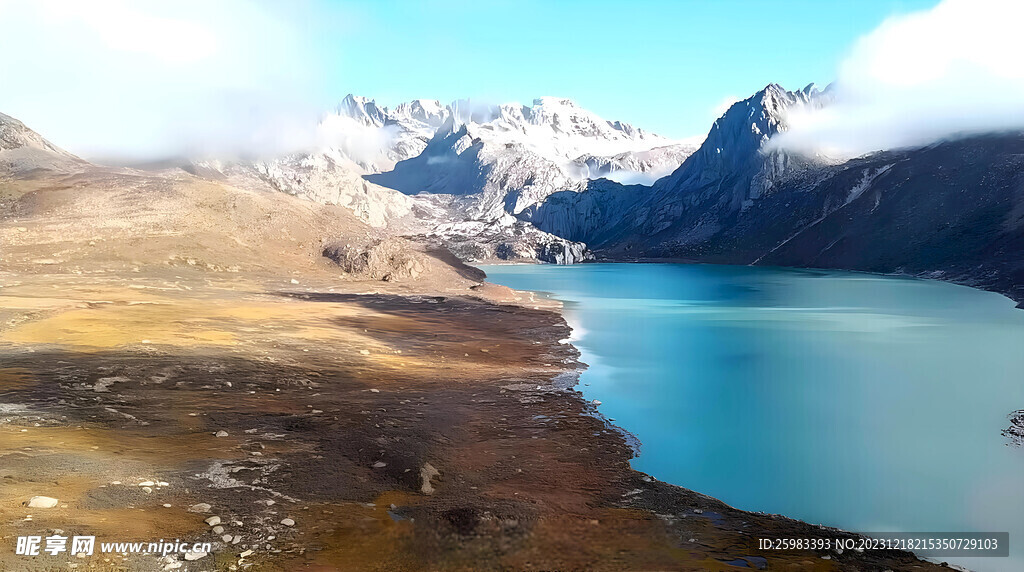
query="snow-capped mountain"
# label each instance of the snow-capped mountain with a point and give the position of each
(517, 183)
(556, 130)
(425, 168)
(511, 156)
(948, 210)
(736, 147)
(733, 167)
(634, 167)
(375, 137)
(496, 178)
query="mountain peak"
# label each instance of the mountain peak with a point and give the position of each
(764, 113)
(353, 98)
(362, 109)
(737, 139)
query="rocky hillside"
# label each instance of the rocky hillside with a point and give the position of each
(22, 149)
(69, 217)
(731, 169)
(455, 173)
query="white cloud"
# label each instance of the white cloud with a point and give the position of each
(951, 70)
(143, 79)
(121, 27)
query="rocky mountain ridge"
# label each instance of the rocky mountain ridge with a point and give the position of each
(479, 180)
(952, 210)
(732, 168)
(22, 149)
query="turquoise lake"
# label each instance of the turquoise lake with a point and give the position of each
(869, 403)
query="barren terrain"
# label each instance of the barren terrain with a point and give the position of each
(174, 349)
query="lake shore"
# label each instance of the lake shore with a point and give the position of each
(394, 430)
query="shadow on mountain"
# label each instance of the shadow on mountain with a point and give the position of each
(449, 164)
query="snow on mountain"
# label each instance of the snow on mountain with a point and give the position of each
(737, 144)
(374, 137)
(362, 110)
(322, 178)
(394, 166)
(500, 178)
(493, 160)
(511, 156)
(634, 167)
(555, 129)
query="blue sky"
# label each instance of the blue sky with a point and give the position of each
(662, 65)
(157, 77)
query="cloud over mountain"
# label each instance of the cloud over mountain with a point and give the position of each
(921, 77)
(149, 79)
